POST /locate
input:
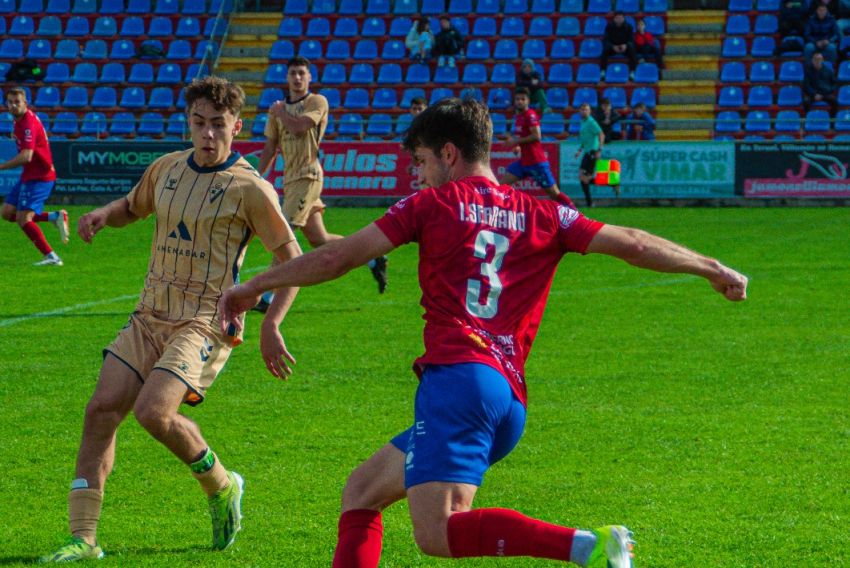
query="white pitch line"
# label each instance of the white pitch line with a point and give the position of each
(65, 310)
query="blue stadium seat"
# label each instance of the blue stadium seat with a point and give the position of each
(472, 93)
(433, 7)
(22, 26)
(439, 94)
(58, 7)
(133, 97)
(558, 98)
(67, 49)
(362, 73)
(132, 27)
(844, 95)
(350, 125)
(31, 7)
(598, 6)
(40, 49)
(403, 123)
(547, 7)
(500, 124)
(484, 27)
(123, 49)
(843, 74)
(533, 49)
(585, 95)
(842, 120)
(409, 94)
(258, 126)
(399, 26)
(503, 73)
(499, 98)
(76, 97)
(762, 72)
(215, 27)
(512, 26)
(332, 94)
(356, 99)
(733, 72)
(56, 72)
(389, 74)
(272, 94)
(141, 73)
(816, 121)
(574, 125)
(196, 70)
(104, 97)
(540, 26)
(138, 7)
(767, 5)
(568, 27)
(571, 6)
(350, 7)
(595, 26)
(85, 73)
(161, 97)
(188, 27)
(627, 6)
(740, 5)
(760, 96)
(757, 121)
(179, 49)
(338, 49)
(374, 27)
(8, 7)
(789, 96)
(461, 7)
(111, 7)
(346, 27)
(474, 74)
(323, 7)
(477, 50)
(506, 50)
(560, 73)
(295, 7)
(791, 72)
(94, 49)
(738, 24)
(590, 48)
(283, 50)
(446, 75)
(384, 98)
(65, 124)
(588, 73)
(418, 74)
(194, 7)
(379, 124)
(48, 26)
(405, 7)
(203, 46)
(617, 96)
(645, 95)
(160, 26)
(787, 121)
(552, 124)
(310, 49)
(728, 121)
(734, 47)
(654, 25)
(730, 97)
(763, 46)
(123, 124)
(646, 73)
(393, 50)
(461, 24)
(489, 7)
(113, 72)
(166, 7)
(105, 26)
(226, 6)
(516, 7)
(93, 124)
(168, 74)
(333, 74)
(562, 48)
(616, 73)
(766, 24)
(377, 7)
(290, 27)
(47, 97)
(276, 74)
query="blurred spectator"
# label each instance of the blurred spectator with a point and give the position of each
(819, 84)
(417, 105)
(618, 40)
(531, 79)
(646, 45)
(640, 125)
(792, 25)
(606, 117)
(420, 40)
(831, 7)
(821, 35)
(448, 44)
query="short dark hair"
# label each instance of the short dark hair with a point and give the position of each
(16, 91)
(298, 61)
(418, 101)
(223, 94)
(641, 106)
(522, 91)
(464, 123)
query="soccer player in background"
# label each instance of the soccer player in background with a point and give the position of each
(25, 203)
(591, 140)
(295, 129)
(532, 161)
(487, 257)
(208, 202)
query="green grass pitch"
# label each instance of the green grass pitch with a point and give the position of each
(718, 432)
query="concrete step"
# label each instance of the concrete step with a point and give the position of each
(677, 135)
(696, 87)
(245, 51)
(697, 62)
(690, 74)
(243, 77)
(257, 19)
(696, 17)
(707, 49)
(248, 32)
(676, 99)
(685, 112)
(682, 124)
(701, 28)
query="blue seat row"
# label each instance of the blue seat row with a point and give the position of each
(765, 72)
(114, 72)
(143, 7)
(42, 49)
(476, 7)
(121, 124)
(740, 24)
(760, 5)
(77, 97)
(108, 26)
(730, 121)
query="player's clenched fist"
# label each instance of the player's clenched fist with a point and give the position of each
(89, 224)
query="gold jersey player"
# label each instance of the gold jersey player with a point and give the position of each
(209, 203)
(295, 128)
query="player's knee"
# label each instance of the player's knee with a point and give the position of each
(359, 492)
(100, 413)
(152, 419)
(22, 220)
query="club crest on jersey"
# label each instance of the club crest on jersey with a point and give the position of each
(216, 192)
(171, 184)
(566, 216)
(182, 231)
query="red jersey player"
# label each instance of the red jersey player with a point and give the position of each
(25, 202)
(487, 256)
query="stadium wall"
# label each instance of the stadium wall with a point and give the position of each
(379, 173)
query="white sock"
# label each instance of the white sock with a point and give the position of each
(583, 543)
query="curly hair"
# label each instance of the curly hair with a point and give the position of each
(223, 94)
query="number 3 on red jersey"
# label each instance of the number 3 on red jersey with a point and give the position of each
(490, 270)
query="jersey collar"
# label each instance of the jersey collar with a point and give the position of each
(234, 155)
(296, 101)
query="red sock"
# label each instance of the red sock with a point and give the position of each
(37, 237)
(503, 532)
(40, 217)
(360, 537)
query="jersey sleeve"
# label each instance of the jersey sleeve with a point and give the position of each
(316, 108)
(401, 223)
(532, 119)
(26, 131)
(596, 128)
(271, 130)
(142, 196)
(575, 231)
(263, 214)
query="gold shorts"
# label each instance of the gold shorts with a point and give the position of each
(301, 198)
(192, 351)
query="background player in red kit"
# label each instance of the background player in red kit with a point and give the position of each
(25, 202)
(532, 159)
(487, 257)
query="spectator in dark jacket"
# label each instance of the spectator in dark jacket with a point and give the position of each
(606, 117)
(618, 40)
(831, 7)
(646, 45)
(531, 79)
(819, 84)
(448, 43)
(821, 35)
(640, 125)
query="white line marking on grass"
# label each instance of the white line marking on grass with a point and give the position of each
(65, 310)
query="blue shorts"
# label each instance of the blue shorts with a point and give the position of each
(30, 195)
(541, 173)
(466, 419)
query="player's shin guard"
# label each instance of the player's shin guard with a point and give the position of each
(209, 472)
(503, 532)
(84, 512)
(361, 535)
(37, 237)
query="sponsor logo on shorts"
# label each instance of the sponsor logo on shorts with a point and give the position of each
(183, 366)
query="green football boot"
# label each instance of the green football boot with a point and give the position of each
(613, 548)
(226, 512)
(72, 551)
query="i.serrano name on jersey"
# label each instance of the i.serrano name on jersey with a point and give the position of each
(495, 217)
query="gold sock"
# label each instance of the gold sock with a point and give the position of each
(84, 513)
(214, 479)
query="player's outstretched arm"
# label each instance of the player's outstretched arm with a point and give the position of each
(328, 262)
(114, 214)
(272, 346)
(645, 250)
